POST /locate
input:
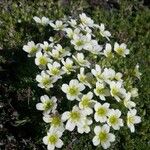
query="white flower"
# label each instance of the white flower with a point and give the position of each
(79, 41)
(43, 20)
(132, 119)
(97, 73)
(87, 21)
(116, 90)
(83, 78)
(31, 48)
(137, 73)
(73, 90)
(127, 101)
(55, 54)
(121, 49)
(58, 52)
(55, 70)
(101, 112)
(86, 103)
(45, 81)
(64, 52)
(46, 46)
(55, 121)
(47, 105)
(58, 25)
(72, 22)
(114, 120)
(102, 136)
(84, 128)
(41, 60)
(134, 92)
(68, 65)
(101, 90)
(53, 140)
(108, 50)
(86, 29)
(108, 74)
(75, 118)
(93, 47)
(118, 76)
(104, 32)
(81, 61)
(70, 32)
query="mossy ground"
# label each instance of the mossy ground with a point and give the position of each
(21, 124)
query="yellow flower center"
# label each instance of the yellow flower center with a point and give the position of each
(85, 102)
(53, 139)
(75, 116)
(43, 60)
(120, 51)
(82, 78)
(99, 76)
(102, 111)
(103, 136)
(73, 91)
(55, 71)
(114, 91)
(79, 43)
(56, 121)
(130, 119)
(47, 48)
(100, 90)
(46, 81)
(113, 119)
(48, 105)
(68, 66)
(33, 50)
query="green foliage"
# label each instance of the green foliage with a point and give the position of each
(129, 23)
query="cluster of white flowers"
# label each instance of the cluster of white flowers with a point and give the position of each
(93, 87)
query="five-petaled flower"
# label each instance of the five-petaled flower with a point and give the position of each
(102, 136)
(73, 90)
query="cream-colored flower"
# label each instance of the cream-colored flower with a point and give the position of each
(31, 48)
(114, 119)
(86, 103)
(79, 41)
(97, 72)
(108, 50)
(134, 92)
(53, 140)
(46, 46)
(42, 60)
(81, 60)
(55, 70)
(101, 112)
(45, 81)
(68, 66)
(58, 25)
(74, 118)
(48, 104)
(102, 136)
(136, 72)
(117, 91)
(42, 21)
(86, 21)
(85, 126)
(55, 121)
(73, 90)
(121, 49)
(84, 78)
(127, 101)
(103, 32)
(132, 119)
(101, 91)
